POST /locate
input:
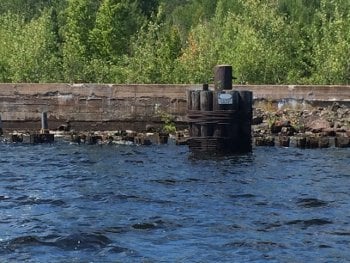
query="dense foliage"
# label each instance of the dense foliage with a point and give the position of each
(178, 41)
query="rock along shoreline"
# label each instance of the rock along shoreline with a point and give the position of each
(301, 125)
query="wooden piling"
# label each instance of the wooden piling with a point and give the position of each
(189, 99)
(223, 77)
(323, 142)
(1, 130)
(301, 142)
(206, 105)
(205, 86)
(92, 139)
(284, 141)
(220, 120)
(342, 141)
(16, 138)
(37, 138)
(227, 106)
(195, 106)
(44, 136)
(189, 108)
(245, 121)
(44, 123)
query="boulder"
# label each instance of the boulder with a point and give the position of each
(318, 125)
(277, 126)
(265, 141)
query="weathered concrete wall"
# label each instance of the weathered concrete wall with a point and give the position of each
(97, 106)
(299, 92)
(89, 106)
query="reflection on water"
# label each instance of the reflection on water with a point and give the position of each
(70, 203)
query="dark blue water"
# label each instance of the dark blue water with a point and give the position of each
(71, 203)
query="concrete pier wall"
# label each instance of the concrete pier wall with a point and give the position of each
(109, 107)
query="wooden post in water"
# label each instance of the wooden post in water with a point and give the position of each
(206, 105)
(220, 120)
(44, 136)
(195, 106)
(232, 126)
(245, 122)
(1, 131)
(44, 123)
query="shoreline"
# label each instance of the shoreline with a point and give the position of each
(281, 113)
(120, 107)
(285, 125)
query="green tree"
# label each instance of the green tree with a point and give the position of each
(80, 20)
(28, 50)
(190, 14)
(154, 53)
(254, 47)
(331, 40)
(29, 9)
(116, 23)
(148, 7)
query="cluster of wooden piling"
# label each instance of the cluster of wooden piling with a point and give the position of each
(119, 137)
(43, 136)
(219, 121)
(303, 141)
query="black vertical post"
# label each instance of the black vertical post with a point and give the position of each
(195, 106)
(1, 131)
(44, 123)
(189, 108)
(245, 120)
(189, 99)
(206, 105)
(223, 77)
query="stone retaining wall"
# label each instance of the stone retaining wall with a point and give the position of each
(103, 106)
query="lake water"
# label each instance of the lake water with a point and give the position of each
(81, 203)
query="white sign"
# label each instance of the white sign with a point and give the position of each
(225, 98)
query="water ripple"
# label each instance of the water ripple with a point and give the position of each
(79, 203)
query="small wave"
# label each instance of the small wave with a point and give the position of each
(125, 197)
(115, 230)
(145, 226)
(82, 241)
(165, 181)
(266, 227)
(27, 200)
(13, 244)
(325, 246)
(134, 161)
(155, 224)
(71, 242)
(269, 226)
(311, 202)
(173, 181)
(310, 222)
(340, 233)
(190, 180)
(117, 249)
(243, 196)
(4, 197)
(259, 245)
